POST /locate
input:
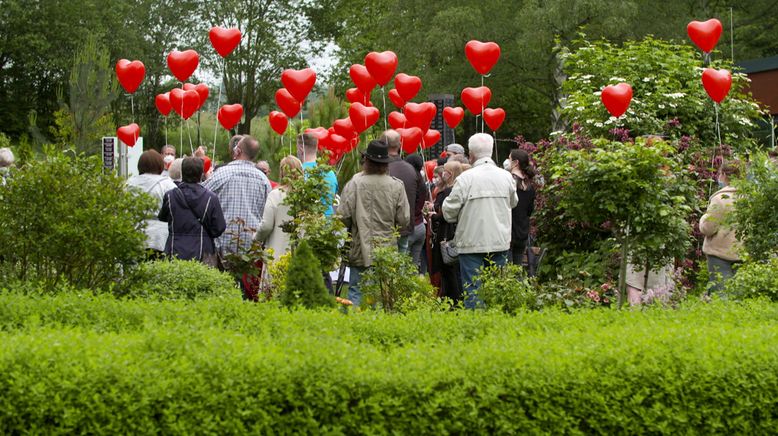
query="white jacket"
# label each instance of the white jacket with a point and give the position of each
(276, 213)
(480, 203)
(156, 186)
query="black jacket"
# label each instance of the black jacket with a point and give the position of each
(195, 218)
(521, 213)
(404, 171)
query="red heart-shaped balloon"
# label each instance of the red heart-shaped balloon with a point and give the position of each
(345, 128)
(717, 83)
(394, 97)
(381, 66)
(224, 40)
(706, 34)
(338, 142)
(183, 63)
(616, 98)
(453, 116)
(397, 120)
(299, 82)
(482, 55)
(362, 78)
(362, 117)
(355, 95)
(129, 134)
(201, 89)
(429, 168)
(278, 122)
(130, 74)
(476, 99)
(430, 138)
(420, 114)
(407, 86)
(185, 103)
(162, 101)
(229, 115)
(494, 117)
(410, 138)
(288, 104)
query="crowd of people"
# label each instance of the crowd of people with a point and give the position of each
(453, 219)
(465, 213)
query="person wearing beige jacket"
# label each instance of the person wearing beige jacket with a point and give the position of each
(373, 206)
(480, 203)
(721, 246)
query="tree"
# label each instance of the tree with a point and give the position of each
(304, 283)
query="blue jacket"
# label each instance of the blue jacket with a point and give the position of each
(195, 218)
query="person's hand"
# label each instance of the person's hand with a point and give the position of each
(428, 209)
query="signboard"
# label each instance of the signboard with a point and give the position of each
(446, 133)
(109, 153)
(116, 155)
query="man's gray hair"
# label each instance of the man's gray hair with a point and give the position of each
(480, 145)
(174, 172)
(392, 139)
(6, 157)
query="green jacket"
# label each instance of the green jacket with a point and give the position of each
(480, 203)
(372, 206)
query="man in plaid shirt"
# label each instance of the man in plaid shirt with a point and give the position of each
(242, 190)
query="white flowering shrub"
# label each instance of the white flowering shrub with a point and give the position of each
(668, 96)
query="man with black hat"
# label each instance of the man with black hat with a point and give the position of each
(373, 204)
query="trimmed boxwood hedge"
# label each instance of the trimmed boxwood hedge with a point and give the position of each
(92, 364)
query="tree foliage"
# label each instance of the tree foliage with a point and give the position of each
(756, 209)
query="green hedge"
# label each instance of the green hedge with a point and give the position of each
(91, 364)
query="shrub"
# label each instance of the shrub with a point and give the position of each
(63, 219)
(304, 282)
(755, 215)
(755, 279)
(225, 366)
(668, 98)
(176, 280)
(506, 288)
(392, 278)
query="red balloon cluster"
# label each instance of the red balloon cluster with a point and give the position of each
(297, 85)
(483, 56)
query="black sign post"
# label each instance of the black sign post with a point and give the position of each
(109, 153)
(446, 133)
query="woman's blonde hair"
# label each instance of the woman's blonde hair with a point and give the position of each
(290, 168)
(454, 168)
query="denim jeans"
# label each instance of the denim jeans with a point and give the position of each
(719, 271)
(416, 243)
(402, 244)
(469, 264)
(354, 293)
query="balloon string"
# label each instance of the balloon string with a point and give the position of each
(717, 149)
(189, 133)
(132, 107)
(218, 103)
(166, 142)
(181, 128)
(383, 97)
(482, 105)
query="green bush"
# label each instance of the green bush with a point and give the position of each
(175, 280)
(304, 282)
(506, 288)
(394, 280)
(94, 364)
(755, 216)
(755, 279)
(64, 220)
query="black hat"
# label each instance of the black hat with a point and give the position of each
(377, 151)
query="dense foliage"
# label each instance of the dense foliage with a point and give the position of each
(394, 283)
(94, 364)
(176, 280)
(756, 209)
(63, 219)
(668, 96)
(755, 279)
(506, 288)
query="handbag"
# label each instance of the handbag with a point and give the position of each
(449, 252)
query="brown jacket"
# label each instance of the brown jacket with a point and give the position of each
(720, 239)
(372, 206)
